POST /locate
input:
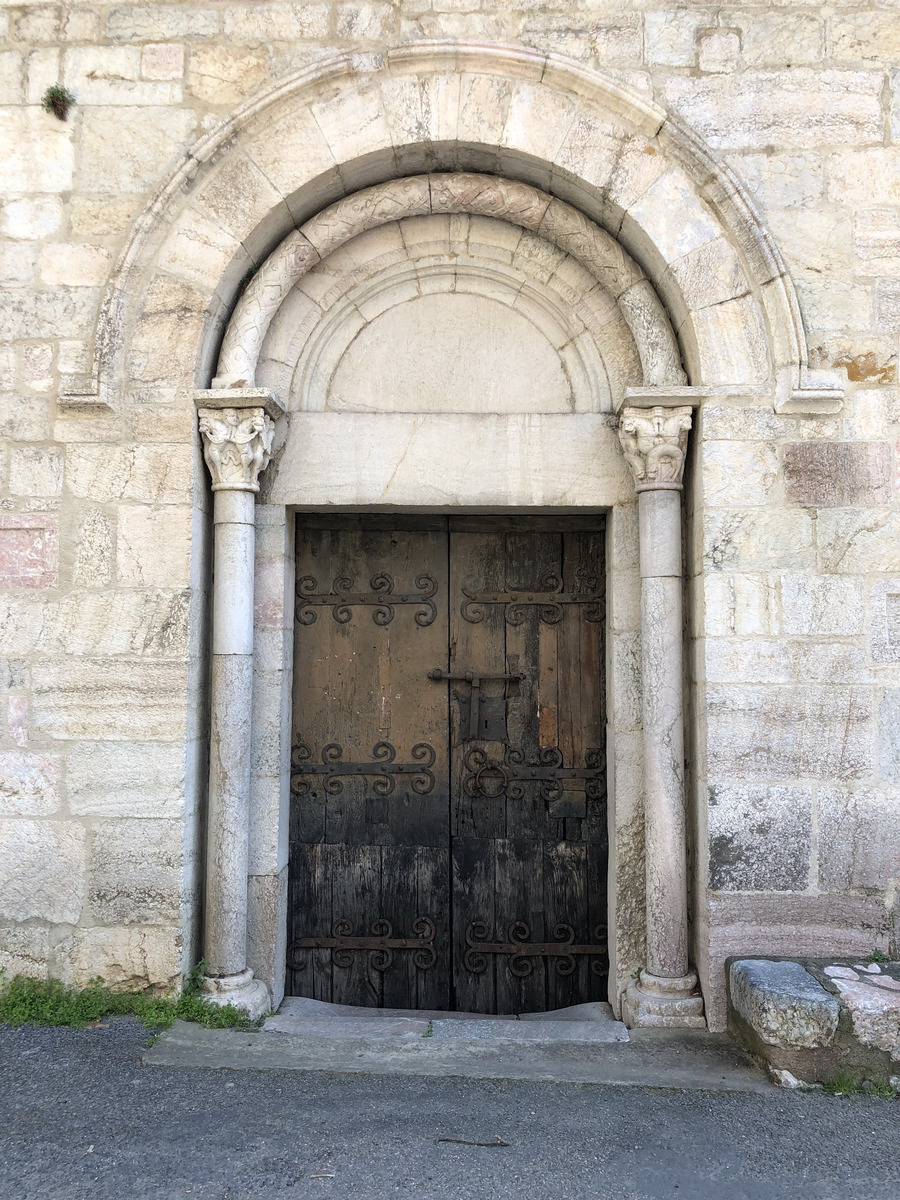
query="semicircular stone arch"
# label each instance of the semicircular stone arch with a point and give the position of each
(593, 274)
(350, 123)
(465, 296)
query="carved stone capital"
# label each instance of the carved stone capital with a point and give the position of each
(237, 444)
(654, 442)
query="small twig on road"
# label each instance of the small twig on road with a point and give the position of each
(463, 1142)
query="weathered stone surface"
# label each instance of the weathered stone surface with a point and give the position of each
(875, 1013)
(783, 1003)
(36, 151)
(799, 107)
(29, 785)
(36, 472)
(837, 474)
(889, 735)
(786, 731)
(735, 475)
(95, 699)
(859, 838)
(152, 474)
(741, 604)
(162, 60)
(72, 264)
(149, 21)
(784, 661)
(129, 958)
(759, 838)
(162, 348)
(125, 779)
(152, 623)
(788, 600)
(31, 217)
(758, 541)
(110, 75)
(786, 924)
(853, 542)
(821, 605)
(42, 870)
(134, 874)
(24, 950)
(153, 546)
(93, 550)
(127, 149)
(884, 608)
(223, 75)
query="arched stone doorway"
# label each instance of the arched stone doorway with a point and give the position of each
(702, 267)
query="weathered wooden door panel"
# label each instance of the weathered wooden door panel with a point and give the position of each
(448, 836)
(370, 784)
(528, 818)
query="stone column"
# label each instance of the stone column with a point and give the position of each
(654, 441)
(237, 430)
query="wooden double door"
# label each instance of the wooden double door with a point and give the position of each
(448, 833)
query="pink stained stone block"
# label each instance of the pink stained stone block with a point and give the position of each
(17, 719)
(29, 550)
(885, 981)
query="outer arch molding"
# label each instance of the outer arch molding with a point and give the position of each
(635, 170)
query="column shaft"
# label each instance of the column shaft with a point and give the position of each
(664, 815)
(229, 743)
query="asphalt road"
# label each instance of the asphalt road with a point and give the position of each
(80, 1117)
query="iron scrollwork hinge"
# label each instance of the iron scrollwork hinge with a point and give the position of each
(490, 778)
(385, 768)
(381, 599)
(521, 952)
(380, 944)
(549, 601)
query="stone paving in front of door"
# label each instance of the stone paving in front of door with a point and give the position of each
(584, 1044)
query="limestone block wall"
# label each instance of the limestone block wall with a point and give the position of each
(793, 521)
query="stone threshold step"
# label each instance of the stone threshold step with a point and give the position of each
(299, 1015)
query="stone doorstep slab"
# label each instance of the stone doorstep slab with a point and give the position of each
(681, 1059)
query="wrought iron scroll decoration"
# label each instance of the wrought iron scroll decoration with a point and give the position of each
(384, 767)
(521, 952)
(490, 778)
(382, 599)
(380, 944)
(549, 600)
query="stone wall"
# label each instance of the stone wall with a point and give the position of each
(795, 575)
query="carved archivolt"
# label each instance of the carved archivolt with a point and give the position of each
(479, 195)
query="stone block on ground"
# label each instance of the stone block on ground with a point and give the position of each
(817, 1020)
(783, 1003)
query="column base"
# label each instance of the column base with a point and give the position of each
(242, 990)
(654, 1001)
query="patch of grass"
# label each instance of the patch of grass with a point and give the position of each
(25, 1001)
(845, 1083)
(878, 956)
(57, 100)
